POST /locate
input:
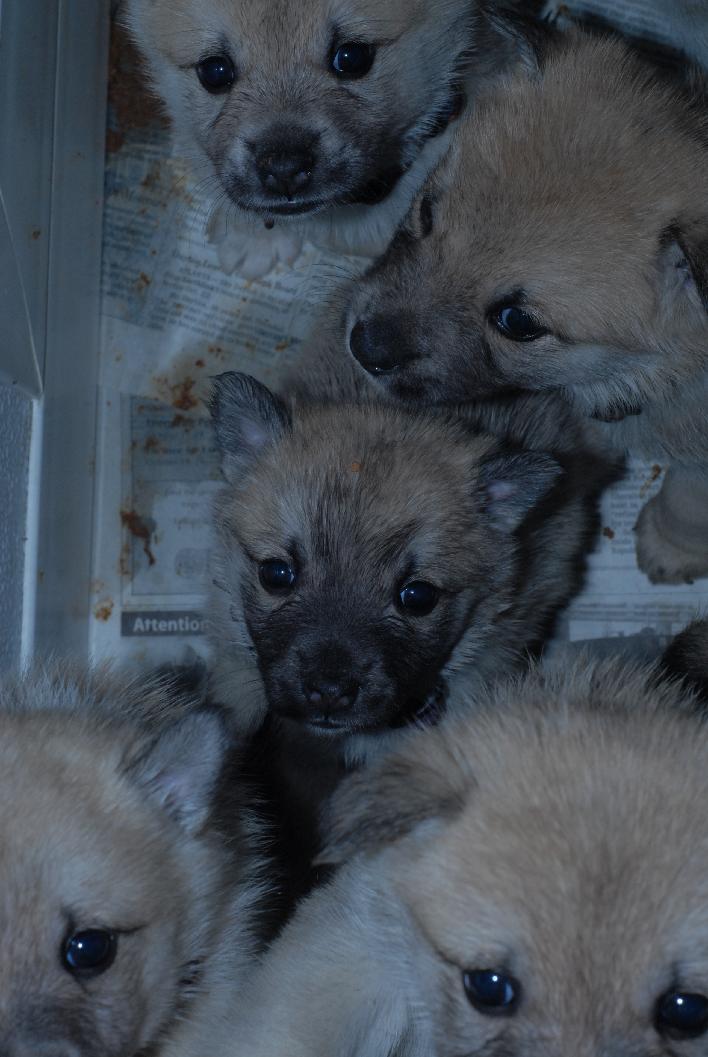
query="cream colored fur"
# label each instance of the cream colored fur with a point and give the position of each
(557, 834)
(577, 188)
(105, 793)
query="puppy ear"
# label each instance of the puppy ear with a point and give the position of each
(512, 485)
(524, 36)
(180, 768)
(683, 264)
(247, 418)
(389, 799)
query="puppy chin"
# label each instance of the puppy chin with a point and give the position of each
(373, 187)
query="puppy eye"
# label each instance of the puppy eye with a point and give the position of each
(516, 324)
(217, 73)
(680, 1015)
(426, 216)
(491, 991)
(353, 59)
(276, 576)
(418, 598)
(90, 952)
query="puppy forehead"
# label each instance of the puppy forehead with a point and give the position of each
(367, 472)
(570, 168)
(70, 826)
(561, 863)
(284, 26)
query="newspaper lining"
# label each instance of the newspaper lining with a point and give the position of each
(171, 318)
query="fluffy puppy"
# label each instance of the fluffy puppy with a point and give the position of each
(330, 110)
(127, 918)
(369, 561)
(531, 879)
(563, 245)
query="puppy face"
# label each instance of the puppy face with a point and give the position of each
(104, 883)
(359, 550)
(563, 244)
(303, 106)
(555, 880)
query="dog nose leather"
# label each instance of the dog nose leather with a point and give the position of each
(381, 344)
(331, 697)
(285, 173)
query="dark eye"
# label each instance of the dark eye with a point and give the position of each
(680, 1015)
(89, 953)
(516, 324)
(217, 73)
(276, 576)
(491, 991)
(418, 598)
(353, 59)
(426, 216)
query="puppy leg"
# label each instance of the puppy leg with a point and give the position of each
(249, 248)
(672, 530)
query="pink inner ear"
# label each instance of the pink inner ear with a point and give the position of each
(501, 490)
(254, 435)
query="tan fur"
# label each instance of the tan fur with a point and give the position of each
(285, 97)
(104, 824)
(362, 498)
(558, 835)
(578, 189)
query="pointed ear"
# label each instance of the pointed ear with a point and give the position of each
(683, 266)
(180, 769)
(525, 36)
(247, 418)
(512, 484)
(387, 800)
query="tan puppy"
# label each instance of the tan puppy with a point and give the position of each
(532, 880)
(563, 245)
(370, 565)
(126, 918)
(369, 560)
(331, 111)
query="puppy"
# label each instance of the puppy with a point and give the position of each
(329, 112)
(127, 917)
(563, 245)
(528, 880)
(368, 562)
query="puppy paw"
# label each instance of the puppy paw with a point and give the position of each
(251, 250)
(666, 561)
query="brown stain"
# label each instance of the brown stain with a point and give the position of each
(142, 282)
(152, 176)
(152, 443)
(124, 561)
(282, 345)
(199, 363)
(137, 528)
(182, 395)
(654, 475)
(104, 610)
(36, 233)
(183, 421)
(608, 533)
(356, 466)
(132, 104)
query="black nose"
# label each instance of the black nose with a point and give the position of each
(285, 172)
(328, 696)
(382, 343)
